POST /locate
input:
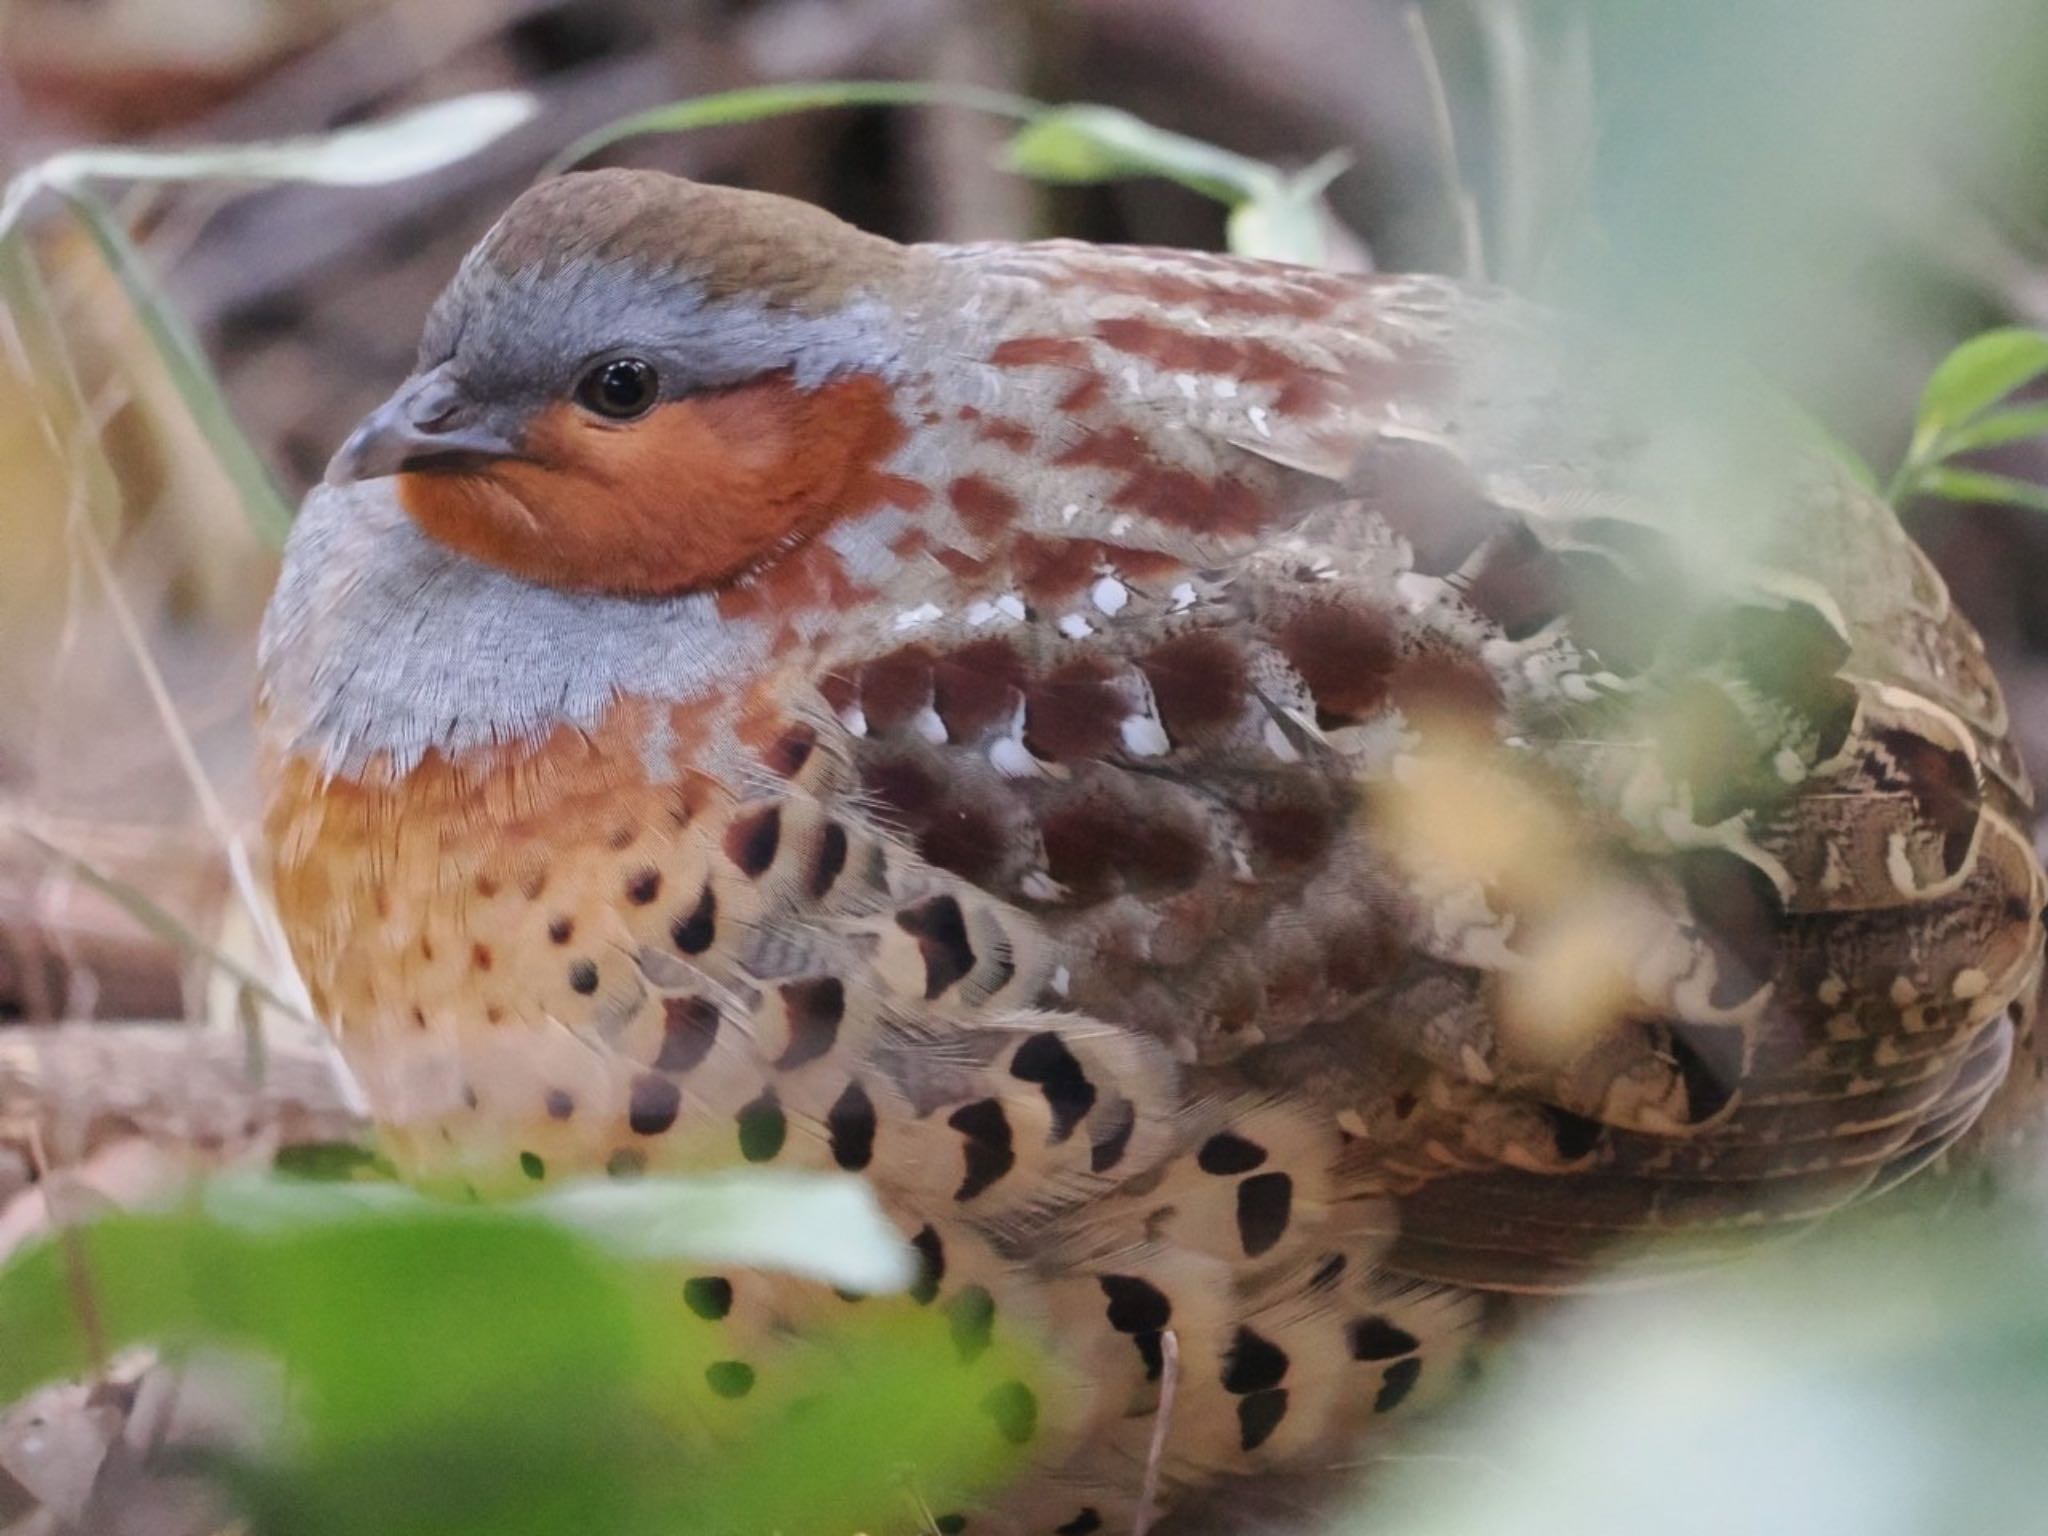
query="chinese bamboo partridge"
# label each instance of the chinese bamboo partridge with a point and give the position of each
(1258, 807)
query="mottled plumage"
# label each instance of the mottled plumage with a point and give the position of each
(1249, 802)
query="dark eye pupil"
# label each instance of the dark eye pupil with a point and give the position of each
(622, 387)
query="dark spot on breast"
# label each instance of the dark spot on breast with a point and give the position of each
(1152, 1352)
(813, 1009)
(533, 1166)
(950, 1524)
(850, 1124)
(1327, 1273)
(763, 1128)
(753, 838)
(1014, 1408)
(1258, 1416)
(1086, 1523)
(1265, 1203)
(1045, 1060)
(1199, 683)
(729, 1378)
(1574, 1135)
(693, 932)
(643, 886)
(830, 862)
(986, 1145)
(486, 884)
(971, 1318)
(689, 1028)
(940, 929)
(583, 977)
(1253, 1363)
(1226, 1154)
(1709, 1058)
(931, 1266)
(622, 837)
(1374, 1338)
(1396, 1384)
(559, 1104)
(561, 930)
(626, 1163)
(709, 1296)
(1109, 1148)
(652, 1104)
(1135, 1305)
(480, 956)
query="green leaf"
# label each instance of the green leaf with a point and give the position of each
(1996, 429)
(191, 374)
(757, 102)
(460, 1370)
(1090, 144)
(1979, 374)
(1287, 224)
(1978, 486)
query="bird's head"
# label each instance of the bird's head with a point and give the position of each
(636, 384)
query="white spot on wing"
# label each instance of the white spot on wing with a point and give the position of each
(1278, 744)
(1110, 595)
(913, 618)
(1009, 757)
(1074, 627)
(1145, 737)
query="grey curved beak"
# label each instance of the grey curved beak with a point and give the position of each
(427, 425)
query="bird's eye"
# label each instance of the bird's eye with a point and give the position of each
(623, 388)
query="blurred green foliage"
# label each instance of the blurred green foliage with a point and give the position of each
(1886, 1378)
(469, 1371)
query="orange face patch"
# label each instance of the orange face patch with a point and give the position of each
(691, 496)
